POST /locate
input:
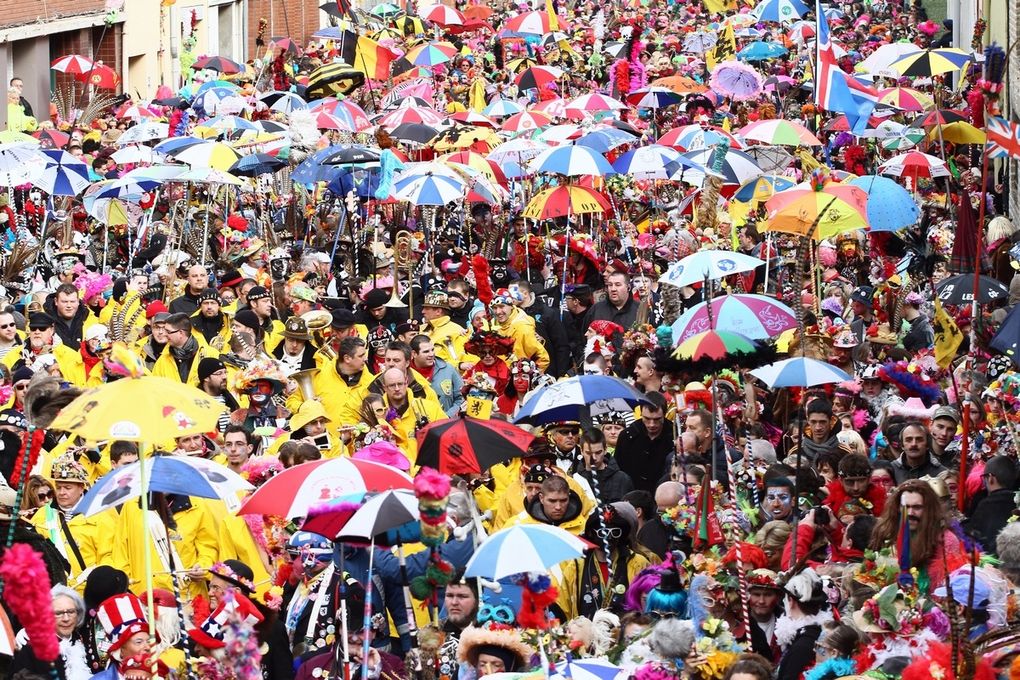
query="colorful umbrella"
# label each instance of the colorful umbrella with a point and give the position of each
(960, 132)
(818, 211)
(461, 137)
(555, 107)
(52, 139)
(914, 164)
(294, 491)
(478, 163)
(536, 23)
(905, 98)
(431, 54)
(736, 80)
(378, 514)
(713, 345)
(517, 150)
(221, 64)
(473, 118)
(20, 163)
(565, 399)
(184, 475)
(699, 42)
(647, 162)
(464, 445)
(442, 15)
(780, 10)
(208, 155)
(284, 102)
(572, 161)
(939, 117)
(762, 188)
(411, 114)
(737, 167)
(757, 317)
(780, 132)
(256, 164)
(800, 372)
(72, 63)
(526, 120)
(595, 101)
(708, 264)
(101, 76)
(144, 132)
(585, 669)
(653, 97)
(537, 77)
(928, 63)
(879, 62)
(680, 84)
(890, 206)
(502, 108)
(428, 189)
(565, 200)
(385, 10)
(64, 174)
(693, 137)
(523, 548)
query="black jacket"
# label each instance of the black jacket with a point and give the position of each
(605, 311)
(800, 655)
(990, 515)
(574, 326)
(210, 327)
(643, 459)
(185, 304)
(550, 327)
(69, 331)
(613, 483)
(574, 506)
(902, 473)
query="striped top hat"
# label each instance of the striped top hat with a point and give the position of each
(234, 607)
(121, 617)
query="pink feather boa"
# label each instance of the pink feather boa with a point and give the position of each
(27, 592)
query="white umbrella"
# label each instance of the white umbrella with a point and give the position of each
(523, 548)
(20, 163)
(144, 132)
(878, 62)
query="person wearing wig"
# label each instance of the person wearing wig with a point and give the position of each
(524, 377)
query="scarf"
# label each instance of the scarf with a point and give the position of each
(185, 352)
(72, 651)
(787, 628)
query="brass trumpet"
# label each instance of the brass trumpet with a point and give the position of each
(318, 321)
(305, 382)
(402, 259)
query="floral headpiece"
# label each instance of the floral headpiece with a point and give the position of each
(223, 570)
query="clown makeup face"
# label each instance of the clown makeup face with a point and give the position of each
(522, 383)
(778, 503)
(261, 392)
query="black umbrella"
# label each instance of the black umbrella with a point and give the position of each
(332, 9)
(350, 155)
(170, 101)
(470, 445)
(1008, 336)
(256, 164)
(959, 290)
(414, 132)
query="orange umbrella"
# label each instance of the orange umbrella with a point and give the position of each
(681, 84)
(480, 12)
(101, 75)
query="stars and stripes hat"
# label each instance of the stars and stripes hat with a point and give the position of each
(122, 616)
(234, 607)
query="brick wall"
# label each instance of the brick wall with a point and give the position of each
(297, 19)
(16, 12)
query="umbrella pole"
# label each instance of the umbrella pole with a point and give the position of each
(345, 645)
(368, 610)
(405, 582)
(185, 640)
(106, 243)
(205, 229)
(143, 484)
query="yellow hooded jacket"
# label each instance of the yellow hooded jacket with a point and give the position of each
(527, 344)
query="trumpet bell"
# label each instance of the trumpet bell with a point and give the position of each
(395, 301)
(305, 382)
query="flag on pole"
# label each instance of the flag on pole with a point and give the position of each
(707, 530)
(554, 21)
(373, 59)
(947, 336)
(903, 550)
(725, 49)
(720, 6)
(1003, 138)
(835, 90)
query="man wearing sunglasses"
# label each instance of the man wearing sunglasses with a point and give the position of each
(9, 338)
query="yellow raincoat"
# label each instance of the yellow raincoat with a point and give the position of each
(527, 344)
(404, 425)
(566, 574)
(237, 543)
(166, 367)
(340, 400)
(84, 531)
(449, 339)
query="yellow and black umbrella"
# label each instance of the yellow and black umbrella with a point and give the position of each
(333, 79)
(409, 25)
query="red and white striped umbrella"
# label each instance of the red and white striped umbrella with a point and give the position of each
(595, 102)
(526, 120)
(914, 164)
(73, 63)
(557, 108)
(295, 490)
(411, 114)
(536, 23)
(474, 118)
(442, 15)
(327, 121)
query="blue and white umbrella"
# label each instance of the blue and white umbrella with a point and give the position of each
(564, 400)
(737, 166)
(647, 162)
(586, 669)
(501, 108)
(606, 138)
(185, 475)
(284, 102)
(708, 264)
(428, 189)
(572, 161)
(800, 372)
(780, 10)
(136, 153)
(174, 144)
(20, 163)
(145, 131)
(890, 206)
(523, 548)
(160, 173)
(760, 51)
(64, 174)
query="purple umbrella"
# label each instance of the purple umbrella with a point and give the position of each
(736, 80)
(757, 317)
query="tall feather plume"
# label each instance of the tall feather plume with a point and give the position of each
(20, 260)
(995, 65)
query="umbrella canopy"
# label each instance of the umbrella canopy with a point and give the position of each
(708, 264)
(735, 167)
(565, 399)
(736, 80)
(565, 200)
(781, 132)
(332, 79)
(695, 137)
(215, 63)
(64, 174)
(959, 132)
(760, 51)
(959, 290)
(757, 317)
(713, 345)
(161, 410)
(890, 206)
(526, 120)
(411, 114)
(879, 62)
(295, 490)
(52, 139)
(928, 63)
(537, 77)
(442, 15)
(185, 475)
(780, 10)
(585, 669)
(653, 97)
(647, 162)
(906, 98)
(378, 514)
(800, 372)
(257, 164)
(523, 548)
(431, 54)
(914, 164)
(572, 161)
(763, 188)
(536, 23)
(501, 108)
(468, 445)
(818, 211)
(1007, 338)
(428, 189)
(144, 132)
(216, 155)
(21, 162)
(72, 63)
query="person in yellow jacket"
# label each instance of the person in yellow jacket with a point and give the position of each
(524, 486)
(189, 545)
(83, 366)
(555, 504)
(210, 324)
(75, 536)
(447, 336)
(312, 424)
(396, 355)
(582, 584)
(125, 306)
(339, 381)
(514, 322)
(406, 413)
(183, 352)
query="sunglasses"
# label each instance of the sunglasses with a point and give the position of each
(486, 353)
(5, 326)
(45, 495)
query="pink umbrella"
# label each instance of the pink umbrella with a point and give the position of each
(443, 15)
(327, 121)
(556, 108)
(525, 120)
(758, 317)
(595, 102)
(736, 80)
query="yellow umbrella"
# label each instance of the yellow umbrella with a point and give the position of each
(470, 137)
(8, 136)
(818, 212)
(960, 132)
(141, 409)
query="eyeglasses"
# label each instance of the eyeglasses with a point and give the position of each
(21, 386)
(609, 532)
(5, 326)
(175, 330)
(65, 613)
(45, 495)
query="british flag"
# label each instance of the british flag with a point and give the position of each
(835, 90)
(1003, 138)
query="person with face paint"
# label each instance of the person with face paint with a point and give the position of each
(261, 380)
(777, 502)
(309, 604)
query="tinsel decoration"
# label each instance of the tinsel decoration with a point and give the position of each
(241, 643)
(433, 491)
(27, 593)
(260, 37)
(537, 594)
(31, 444)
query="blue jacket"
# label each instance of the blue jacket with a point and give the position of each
(447, 383)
